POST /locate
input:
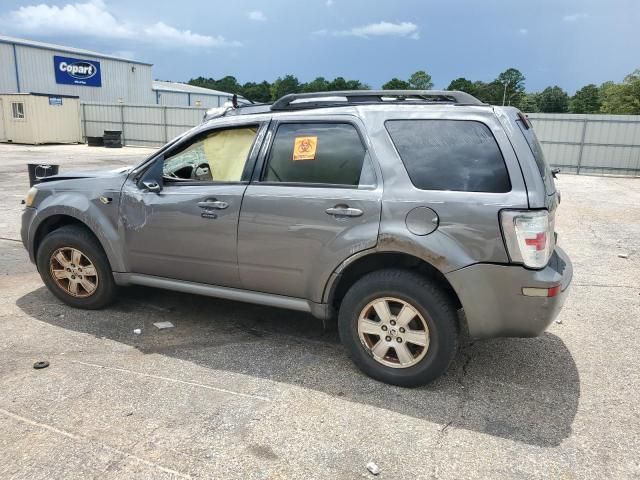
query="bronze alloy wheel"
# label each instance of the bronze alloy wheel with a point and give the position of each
(394, 332)
(73, 272)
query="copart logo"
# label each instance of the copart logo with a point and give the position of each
(79, 70)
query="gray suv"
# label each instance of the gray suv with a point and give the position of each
(416, 218)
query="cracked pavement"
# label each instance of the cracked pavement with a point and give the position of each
(243, 391)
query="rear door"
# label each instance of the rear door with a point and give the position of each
(314, 200)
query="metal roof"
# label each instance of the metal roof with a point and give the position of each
(61, 48)
(163, 86)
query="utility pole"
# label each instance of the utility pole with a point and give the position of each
(504, 94)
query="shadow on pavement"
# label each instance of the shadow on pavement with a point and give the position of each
(520, 389)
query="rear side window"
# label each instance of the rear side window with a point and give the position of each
(538, 155)
(450, 155)
(318, 153)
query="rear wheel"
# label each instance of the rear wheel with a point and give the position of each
(399, 327)
(75, 269)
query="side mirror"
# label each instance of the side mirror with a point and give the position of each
(555, 172)
(152, 186)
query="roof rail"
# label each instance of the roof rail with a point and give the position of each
(292, 101)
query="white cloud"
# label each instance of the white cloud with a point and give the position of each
(257, 16)
(574, 17)
(400, 29)
(523, 31)
(93, 19)
(329, 3)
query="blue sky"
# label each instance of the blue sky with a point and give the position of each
(563, 42)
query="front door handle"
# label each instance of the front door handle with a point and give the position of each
(216, 204)
(344, 211)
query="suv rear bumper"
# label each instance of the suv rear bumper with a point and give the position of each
(494, 304)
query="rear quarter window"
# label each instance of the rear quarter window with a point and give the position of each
(538, 155)
(457, 155)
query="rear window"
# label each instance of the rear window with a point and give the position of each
(538, 155)
(457, 155)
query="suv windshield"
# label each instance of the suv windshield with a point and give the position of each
(538, 155)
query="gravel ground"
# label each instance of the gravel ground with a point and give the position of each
(242, 391)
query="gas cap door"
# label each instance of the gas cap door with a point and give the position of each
(422, 221)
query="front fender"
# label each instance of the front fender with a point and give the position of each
(101, 219)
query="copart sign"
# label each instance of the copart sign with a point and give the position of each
(75, 71)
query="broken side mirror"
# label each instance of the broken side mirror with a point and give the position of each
(555, 172)
(152, 186)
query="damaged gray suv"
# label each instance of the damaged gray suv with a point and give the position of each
(416, 218)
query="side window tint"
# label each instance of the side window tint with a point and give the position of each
(450, 155)
(218, 156)
(319, 153)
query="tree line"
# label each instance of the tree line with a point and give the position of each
(508, 89)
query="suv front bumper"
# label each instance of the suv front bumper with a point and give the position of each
(493, 302)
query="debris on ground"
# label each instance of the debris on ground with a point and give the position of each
(373, 468)
(163, 325)
(623, 255)
(137, 331)
(41, 364)
(559, 322)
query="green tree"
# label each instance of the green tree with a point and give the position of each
(586, 100)
(338, 83)
(490, 93)
(257, 92)
(463, 85)
(420, 80)
(553, 100)
(396, 84)
(512, 81)
(319, 84)
(622, 98)
(284, 85)
(357, 85)
(529, 103)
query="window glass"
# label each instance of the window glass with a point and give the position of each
(538, 155)
(450, 155)
(218, 156)
(321, 153)
(17, 110)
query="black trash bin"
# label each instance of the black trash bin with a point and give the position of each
(95, 141)
(38, 171)
(113, 138)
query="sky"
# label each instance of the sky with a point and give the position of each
(569, 43)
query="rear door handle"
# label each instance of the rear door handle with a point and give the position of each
(340, 211)
(216, 204)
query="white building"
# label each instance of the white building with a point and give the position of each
(35, 67)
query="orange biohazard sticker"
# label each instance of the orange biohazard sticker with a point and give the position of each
(304, 148)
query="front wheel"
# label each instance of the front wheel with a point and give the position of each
(75, 269)
(399, 327)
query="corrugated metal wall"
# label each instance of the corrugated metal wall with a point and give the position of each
(182, 99)
(7, 69)
(608, 144)
(600, 144)
(144, 125)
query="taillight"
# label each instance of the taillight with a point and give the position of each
(528, 235)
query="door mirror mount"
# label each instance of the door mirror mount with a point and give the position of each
(152, 186)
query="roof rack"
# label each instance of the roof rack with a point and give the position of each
(301, 101)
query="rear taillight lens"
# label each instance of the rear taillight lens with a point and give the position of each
(528, 235)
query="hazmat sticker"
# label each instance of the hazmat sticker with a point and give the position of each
(304, 148)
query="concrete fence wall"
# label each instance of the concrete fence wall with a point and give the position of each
(595, 144)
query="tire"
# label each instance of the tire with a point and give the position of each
(435, 325)
(65, 241)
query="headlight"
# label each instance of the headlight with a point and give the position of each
(31, 196)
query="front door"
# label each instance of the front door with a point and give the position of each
(316, 201)
(188, 230)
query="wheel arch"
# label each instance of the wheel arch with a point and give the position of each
(56, 221)
(352, 270)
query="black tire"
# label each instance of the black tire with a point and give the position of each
(430, 301)
(77, 237)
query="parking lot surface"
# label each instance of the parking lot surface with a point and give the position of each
(244, 391)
